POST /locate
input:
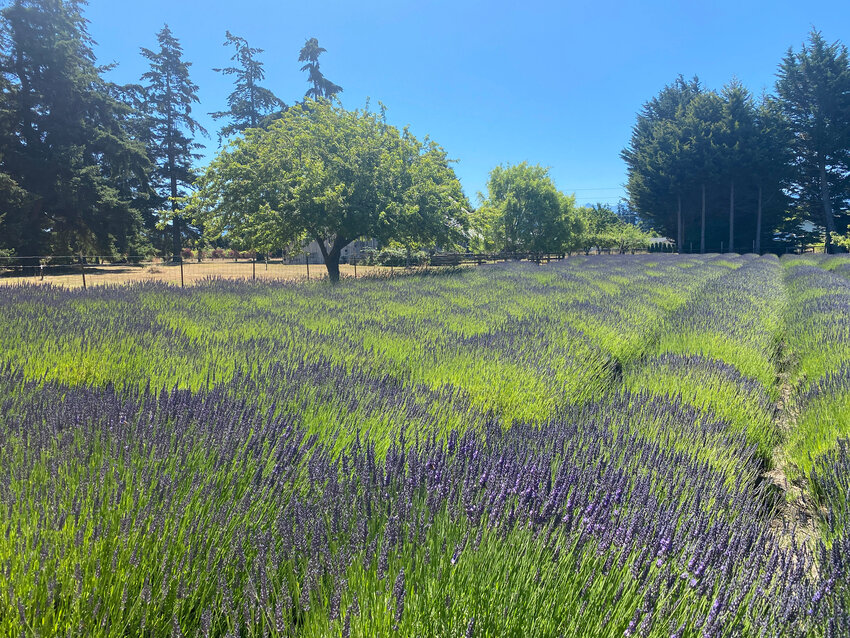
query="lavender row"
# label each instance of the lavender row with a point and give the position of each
(181, 511)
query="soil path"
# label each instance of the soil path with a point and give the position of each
(796, 516)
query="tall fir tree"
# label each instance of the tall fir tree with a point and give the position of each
(813, 87)
(702, 127)
(320, 87)
(70, 167)
(657, 177)
(168, 97)
(249, 103)
(738, 141)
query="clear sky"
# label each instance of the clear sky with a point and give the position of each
(555, 83)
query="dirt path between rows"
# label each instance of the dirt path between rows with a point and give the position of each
(796, 516)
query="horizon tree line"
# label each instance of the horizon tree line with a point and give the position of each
(87, 165)
(722, 170)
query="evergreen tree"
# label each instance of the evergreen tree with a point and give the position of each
(718, 154)
(248, 103)
(658, 178)
(771, 160)
(70, 167)
(738, 143)
(169, 94)
(814, 90)
(321, 86)
(702, 128)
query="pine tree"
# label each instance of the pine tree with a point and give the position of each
(248, 103)
(70, 166)
(168, 95)
(321, 86)
(814, 90)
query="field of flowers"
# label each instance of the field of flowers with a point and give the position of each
(608, 446)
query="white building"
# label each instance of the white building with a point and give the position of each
(355, 250)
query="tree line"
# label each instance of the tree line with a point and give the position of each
(523, 211)
(88, 165)
(723, 170)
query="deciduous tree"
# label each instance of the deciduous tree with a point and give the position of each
(526, 208)
(324, 173)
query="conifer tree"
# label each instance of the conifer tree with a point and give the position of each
(70, 166)
(738, 141)
(321, 86)
(249, 103)
(168, 96)
(814, 90)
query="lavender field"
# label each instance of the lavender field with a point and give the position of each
(648, 445)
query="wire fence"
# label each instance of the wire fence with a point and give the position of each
(91, 270)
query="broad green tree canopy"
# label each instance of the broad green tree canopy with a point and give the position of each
(524, 211)
(325, 173)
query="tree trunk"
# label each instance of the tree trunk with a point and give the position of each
(176, 238)
(732, 216)
(332, 256)
(758, 225)
(702, 224)
(827, 209)
(680, 234)
(333, 268)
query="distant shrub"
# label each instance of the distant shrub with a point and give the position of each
(400, 257)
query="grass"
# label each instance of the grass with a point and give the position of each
(193, 273)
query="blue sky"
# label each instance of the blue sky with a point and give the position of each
(555, 83)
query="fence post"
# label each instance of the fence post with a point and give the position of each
(254, 267)
(354, 262)
(83, 270)
(307, 261)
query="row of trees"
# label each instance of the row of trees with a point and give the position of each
(723, 170)
(325, 174)
(90, 165)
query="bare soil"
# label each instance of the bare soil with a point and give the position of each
(796, 517)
